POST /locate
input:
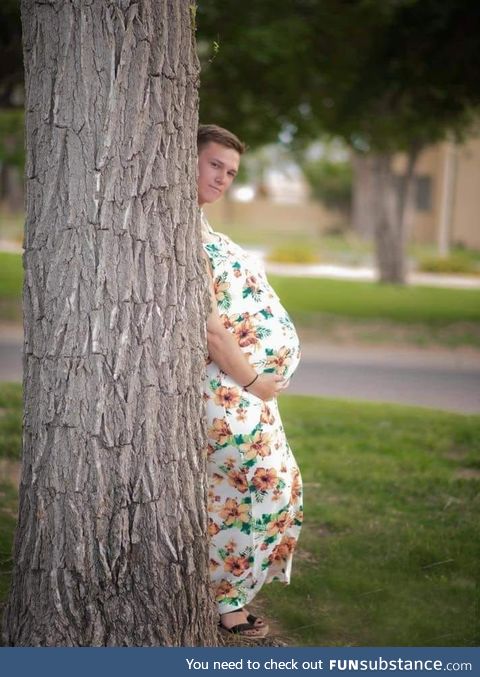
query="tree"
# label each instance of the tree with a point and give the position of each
(330, 181)
(11, 69)
(413, 86)
(385, 76)
(11, 105)
(110, 547)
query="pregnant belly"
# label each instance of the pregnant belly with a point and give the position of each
(270, 341)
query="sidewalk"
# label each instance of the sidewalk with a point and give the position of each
(336, 272)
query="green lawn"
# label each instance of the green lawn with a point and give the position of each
(307, 297)
(389, 551)
(11, 278)
(11, 275)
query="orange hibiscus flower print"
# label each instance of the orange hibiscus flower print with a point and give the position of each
(296, 484)
(258, 446)
(227, 397)
(283, 549)
(220, 287)
(264, 479)
(220, 431)
(279, 524)
(229, 462)
(280, 361)
(241, 414)
(228, 322)
(213, 529)
(246, 334)
(232, 512)
(238, 479)
(231, 546)
(225, 589)
(252, 287)
(266, 415)
(237, 565)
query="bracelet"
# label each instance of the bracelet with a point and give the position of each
(251, 382)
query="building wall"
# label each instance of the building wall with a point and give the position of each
(423, 223)
(466, 207)
(308, 218)
(464, 227)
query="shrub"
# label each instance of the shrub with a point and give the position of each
(295, 253)
(454, 263)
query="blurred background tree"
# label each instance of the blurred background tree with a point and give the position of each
(330, 182)
(12, 155)
(385, 76)
(11, 63)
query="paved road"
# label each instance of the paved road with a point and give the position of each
(441, 379)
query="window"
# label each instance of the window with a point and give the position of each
(422, 191)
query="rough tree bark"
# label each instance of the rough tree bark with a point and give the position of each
(110, 547)
(391, 197)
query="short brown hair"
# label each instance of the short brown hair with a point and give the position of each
(208, 133)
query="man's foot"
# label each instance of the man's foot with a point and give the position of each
(237, 622)
(256, 621)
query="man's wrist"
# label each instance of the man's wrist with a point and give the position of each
(251, 382)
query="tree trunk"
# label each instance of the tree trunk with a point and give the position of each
(363, 197)
(111, 545)
(391, 198)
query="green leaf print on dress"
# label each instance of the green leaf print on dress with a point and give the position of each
(220, 289)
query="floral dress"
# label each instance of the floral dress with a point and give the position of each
(255, 493)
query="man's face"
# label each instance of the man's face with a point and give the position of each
(217, 167)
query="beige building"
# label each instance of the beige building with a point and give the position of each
(446, 200)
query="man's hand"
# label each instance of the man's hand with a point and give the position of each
(267, 386)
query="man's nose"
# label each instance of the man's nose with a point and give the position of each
(220, 178)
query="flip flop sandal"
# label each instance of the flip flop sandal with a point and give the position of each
(256, 621)
(243, 629)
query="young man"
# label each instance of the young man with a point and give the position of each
(254, 507)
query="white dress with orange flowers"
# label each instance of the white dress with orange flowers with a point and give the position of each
(255, 498)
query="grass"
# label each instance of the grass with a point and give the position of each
(10, 420)
(374, 313)
(389, 552)
(306, 298)
(11, 278)
(8, 513)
